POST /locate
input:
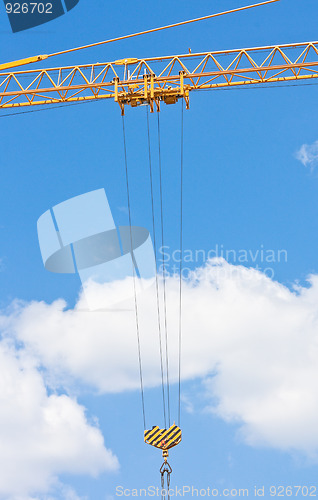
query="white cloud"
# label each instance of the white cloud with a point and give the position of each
(308, 155)
(252, 341)
(42, 435)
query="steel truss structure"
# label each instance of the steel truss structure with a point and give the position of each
(154, 80)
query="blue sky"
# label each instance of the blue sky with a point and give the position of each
(244, 190)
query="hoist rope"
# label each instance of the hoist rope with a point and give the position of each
(134, 277)
(156, 272)
(163, 269)
(161, 28)
(180, 270)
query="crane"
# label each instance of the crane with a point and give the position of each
(151, 81)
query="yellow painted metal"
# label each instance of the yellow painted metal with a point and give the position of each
(131, 60)
(22, 62)
(152, 86)
(146, 87)
(116, 89)
(164, 439)
(161, 79)
(181, 83)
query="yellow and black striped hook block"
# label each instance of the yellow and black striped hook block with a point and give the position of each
(164, 439)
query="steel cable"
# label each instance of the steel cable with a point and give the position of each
(163, 270)
(153, 30)
(156, 261)
(134, 278)
(180, 270)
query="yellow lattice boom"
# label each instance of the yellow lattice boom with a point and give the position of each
(165, 79)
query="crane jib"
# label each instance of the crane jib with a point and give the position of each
(159, 80)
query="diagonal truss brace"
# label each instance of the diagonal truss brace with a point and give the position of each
(163, 79)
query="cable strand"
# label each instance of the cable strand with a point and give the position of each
(168, 26)
(156, 276)
(134, 279)
(163, 270)
(180, 270)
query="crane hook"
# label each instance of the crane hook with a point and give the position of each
(165, 469)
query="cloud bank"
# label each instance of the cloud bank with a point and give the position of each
(42, 435)
(252, 341)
